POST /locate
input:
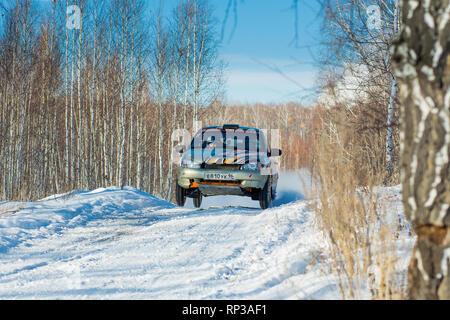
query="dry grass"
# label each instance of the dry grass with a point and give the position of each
(362, 234)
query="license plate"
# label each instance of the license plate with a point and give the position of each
(219, 176)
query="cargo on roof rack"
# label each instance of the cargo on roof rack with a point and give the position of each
(230, 126)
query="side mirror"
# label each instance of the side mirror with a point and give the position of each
(180, 148)
(275, 152)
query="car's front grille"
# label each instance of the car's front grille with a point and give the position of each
(222, 166)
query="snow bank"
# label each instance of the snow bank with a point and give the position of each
(23, 221)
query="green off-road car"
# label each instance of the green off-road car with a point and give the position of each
(227, 160)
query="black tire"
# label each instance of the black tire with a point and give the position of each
(198, 201)
(274, 187)
(180, 195)
(265, 195)
(274, 193)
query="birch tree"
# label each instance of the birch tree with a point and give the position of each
(392, 98)
(422, 65)
(80, 108)
(360, 36)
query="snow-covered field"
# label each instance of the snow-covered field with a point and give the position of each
(117, 243)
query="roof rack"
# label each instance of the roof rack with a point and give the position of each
(231, 126)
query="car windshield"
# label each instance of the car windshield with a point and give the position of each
(245, 140)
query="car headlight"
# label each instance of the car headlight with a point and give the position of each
(251, 166)
(189, 164)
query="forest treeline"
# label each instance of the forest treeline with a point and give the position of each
(95, 105)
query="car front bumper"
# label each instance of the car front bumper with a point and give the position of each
(243, 179)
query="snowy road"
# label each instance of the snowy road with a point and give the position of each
(126, 244)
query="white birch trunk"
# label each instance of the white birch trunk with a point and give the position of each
(391, 106)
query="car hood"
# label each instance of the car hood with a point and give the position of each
(228, 157)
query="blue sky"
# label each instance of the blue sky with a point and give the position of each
(263, 43)
(263, 62)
